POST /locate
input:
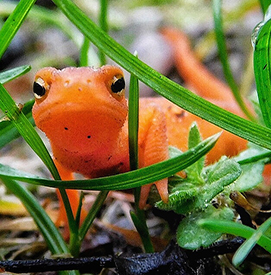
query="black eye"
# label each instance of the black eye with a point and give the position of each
(39, 88)
(118, 85)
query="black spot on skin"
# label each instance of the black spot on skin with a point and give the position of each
(264, 66)
(66, 128)
(89, 136)
(109, 157)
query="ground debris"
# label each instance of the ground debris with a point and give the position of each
(173, 260)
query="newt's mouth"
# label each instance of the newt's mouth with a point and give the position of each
(58, 112)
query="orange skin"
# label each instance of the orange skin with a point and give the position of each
(193, 71)
(86, 124)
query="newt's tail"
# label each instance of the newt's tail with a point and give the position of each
(193, 71)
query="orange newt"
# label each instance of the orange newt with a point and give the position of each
(195, 74)
(83, 112)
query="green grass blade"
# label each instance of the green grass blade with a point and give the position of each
(248, 245)
(92, 214)
(165, 87)
(50, 233)
(27, 131)
(8, 131)
(13, 23)
(24, 127)
(53, 238)
(84, 53)
(236, 229)
(265, 4)
(133, 122)
(262, 70)
(44, 15)
(257, 157)
(138, 217)
(127, 180)
(103, 25)
(141, 227)
(222, 49)
(13, 73)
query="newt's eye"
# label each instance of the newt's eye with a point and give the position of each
(118, 85)
(40, 88)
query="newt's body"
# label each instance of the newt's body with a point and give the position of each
(83, 112)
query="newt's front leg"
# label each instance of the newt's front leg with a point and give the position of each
(73, 196)
(153, 147)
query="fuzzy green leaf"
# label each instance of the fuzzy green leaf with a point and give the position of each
(252, 162)
(194, 171)
(187, 197)
(251, 176)
(224, 171)
(190, 235)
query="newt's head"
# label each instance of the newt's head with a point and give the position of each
(76, 105)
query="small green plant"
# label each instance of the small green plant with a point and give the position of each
(193, 196)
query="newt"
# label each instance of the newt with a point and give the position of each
(83, 112)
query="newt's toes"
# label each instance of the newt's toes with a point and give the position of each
(162, 187)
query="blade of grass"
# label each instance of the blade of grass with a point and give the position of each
(165, 87)
(133, 106)
(266, 155)
(53, 238)
(133, 123)
(27, 131)
(84, 53)
(103, 25)
(262, 70)
(139, 221)
(13, 23)
(9, 75)
(50, 233)
(138, 216)
(24, 127)
(49, 17)
(8, 131)
(222, 49)
(235, 229)
(248, 245)
(92, 214)
(265, 4)
(127, 180)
